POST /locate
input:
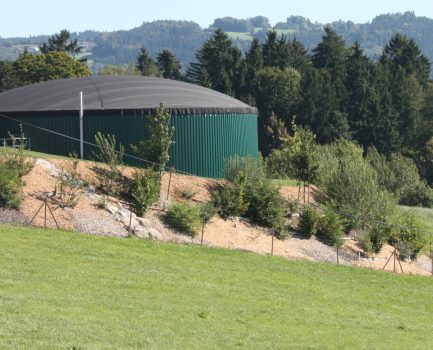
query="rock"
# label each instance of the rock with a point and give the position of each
(155, 234)
(141, 232)
(48, 166)
(111, 208)
(144, 222)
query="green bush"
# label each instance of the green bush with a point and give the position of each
(10, 187)
(331, 229)
(231, 199)
(267, 208)
(417, 195)
(400, 176)
(308, 222)
(183, 217)
(348, 184)
(408, 237)
(251, 167)
(248, 193)
(144, 190)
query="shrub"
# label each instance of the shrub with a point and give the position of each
(308, 222)
(250, 194)
(251, 167)
(378, 234)
(348, 183)
(10, 186)
(400, 176)
(231, 199)
(331, 229)
(143, 190)
(110, 178)
(187, 193)
(183, 217)
(267, 208)
(417, 195)
(408, 237)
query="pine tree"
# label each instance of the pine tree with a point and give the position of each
(145, 64)
(168, 65)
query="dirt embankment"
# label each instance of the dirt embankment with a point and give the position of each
(88, 216)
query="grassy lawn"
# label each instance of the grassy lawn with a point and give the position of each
(284, 182)
(34, 154)
(62, 290)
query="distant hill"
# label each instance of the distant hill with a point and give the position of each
(185, 37)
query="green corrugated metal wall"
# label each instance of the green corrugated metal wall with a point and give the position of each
(202, 142)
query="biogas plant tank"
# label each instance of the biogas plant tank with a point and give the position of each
(209, 127)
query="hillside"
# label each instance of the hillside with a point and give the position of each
(114, 219)
(184, 38)
(65, 290)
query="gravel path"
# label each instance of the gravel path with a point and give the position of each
(319, 251)
(9, 216)
(93, 223)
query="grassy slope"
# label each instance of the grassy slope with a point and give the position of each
(61, 289)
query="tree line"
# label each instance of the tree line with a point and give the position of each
(335, 90)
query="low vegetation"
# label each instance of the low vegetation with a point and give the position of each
(71, 291)
(183, 217)
(248, 193)
(13, 166)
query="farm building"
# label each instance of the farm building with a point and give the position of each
(209, 126)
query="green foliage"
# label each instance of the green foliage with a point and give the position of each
(408, 237)
(143, 190)
(187, 193)
(308, 222)
(168, 65)
(155, 149)
(207, 212)
(231, 199)
(183, 217)
(146, 65)
(295, 158)
(348, 183)
(331, 229)
(10, 187)
(29, 68)
(248, 165)
(248, 193)
(69, 184)
(109, 176)
(399, 175)
(61, 43)
(218, 65)
(13, 166)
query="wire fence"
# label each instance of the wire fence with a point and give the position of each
(178, 186)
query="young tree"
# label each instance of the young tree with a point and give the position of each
(155, 148)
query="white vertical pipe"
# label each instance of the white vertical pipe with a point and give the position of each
(81, 127)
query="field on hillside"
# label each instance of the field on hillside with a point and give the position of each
(66, 290)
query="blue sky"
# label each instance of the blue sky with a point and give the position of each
(31, 17)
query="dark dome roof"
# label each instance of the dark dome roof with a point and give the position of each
(119, 92)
